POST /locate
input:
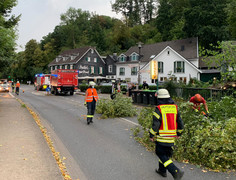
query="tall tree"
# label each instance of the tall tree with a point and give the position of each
(206, 20)
(231, 11)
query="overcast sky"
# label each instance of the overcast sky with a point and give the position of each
(39, 17)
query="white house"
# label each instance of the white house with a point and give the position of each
(176, 59)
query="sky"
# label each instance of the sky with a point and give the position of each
(39, 17)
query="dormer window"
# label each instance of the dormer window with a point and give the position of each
(122, 58)
(72, 57)
(57, 59)
(134, 57)
(92, 51)
(64, 58)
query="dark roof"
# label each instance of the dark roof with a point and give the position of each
(188, 48)
(79, 53)
(203, 64)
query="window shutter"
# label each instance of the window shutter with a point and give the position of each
(174, 67)
(86, 58)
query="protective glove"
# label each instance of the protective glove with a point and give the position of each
(195, 110)
(207, 113)
(85, 103)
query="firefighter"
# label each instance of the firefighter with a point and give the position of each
(91, 97)
(197, 100)
(17, 87)
(166, 126)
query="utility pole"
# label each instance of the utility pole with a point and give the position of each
(139, 57)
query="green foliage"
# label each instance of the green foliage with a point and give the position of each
(208, 142)
(105, 89)
(83, 87)
(119, 107)
(207, 21)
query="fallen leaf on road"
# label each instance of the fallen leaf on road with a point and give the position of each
(64, 158)
(191, 168)
(0, 145)
(204, 171)
(25, 159)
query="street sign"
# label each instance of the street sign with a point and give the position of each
(153, 69)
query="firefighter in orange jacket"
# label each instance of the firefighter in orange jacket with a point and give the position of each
(167, 125)
(91, 97)
(17, 87)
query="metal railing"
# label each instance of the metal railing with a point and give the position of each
(208, 94)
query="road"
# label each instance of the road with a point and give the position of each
(104, 150)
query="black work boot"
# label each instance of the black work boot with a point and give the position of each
(88, 121)
(179, 174)
(163, 174)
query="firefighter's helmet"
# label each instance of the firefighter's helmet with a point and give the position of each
(198, 98)
(91, 83)
(163, 93)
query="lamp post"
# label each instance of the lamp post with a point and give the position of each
(139, 57)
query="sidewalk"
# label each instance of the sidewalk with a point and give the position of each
(24, 153)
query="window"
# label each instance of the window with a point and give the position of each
(100, 70)
(183, 79)
(88, 59)
(71, 66)
(60, 67)
(110, 68)
(95, 59)
(122, 71)
(65, 66)
(134, 57)
(122, 58)
(72, 57)
(134, 71)
(179, 67)
(51, 67)
(160, 67)
(168, 52)
(92, 51)
(92, 70)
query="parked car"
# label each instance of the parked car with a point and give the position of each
(4, 88)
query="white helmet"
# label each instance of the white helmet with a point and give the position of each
(163, 93)
(91, 83)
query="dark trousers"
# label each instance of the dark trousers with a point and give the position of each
(91, 106)
(17, 90)
(165, 163)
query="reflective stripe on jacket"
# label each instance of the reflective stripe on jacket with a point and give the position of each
(91, 93)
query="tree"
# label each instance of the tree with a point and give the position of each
(206, 20)
(7, 35)
(231, 11)
(224, 58)
(135, 12)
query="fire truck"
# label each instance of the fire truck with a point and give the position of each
(41, 81)
(64, 81)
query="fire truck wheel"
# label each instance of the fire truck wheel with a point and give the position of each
(71, 93)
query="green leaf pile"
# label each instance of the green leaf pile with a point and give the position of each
(121, 106)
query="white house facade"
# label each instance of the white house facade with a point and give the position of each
(178, 60)
(171, 65)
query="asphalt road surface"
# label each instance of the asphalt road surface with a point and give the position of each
(104, 150)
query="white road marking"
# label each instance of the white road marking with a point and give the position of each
(130, 121)
(11, 94)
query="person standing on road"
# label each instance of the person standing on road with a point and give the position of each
(12, 86)
(91, 97)
(17, 87)
(197, 100)
(166, 126)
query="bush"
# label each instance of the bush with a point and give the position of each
(209, 142)
(105, 89)
(119, 107)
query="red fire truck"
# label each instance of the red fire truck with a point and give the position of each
(64, 81)
(41, 81)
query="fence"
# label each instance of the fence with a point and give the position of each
(209, 94)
